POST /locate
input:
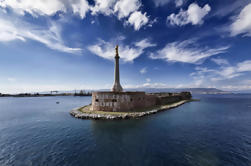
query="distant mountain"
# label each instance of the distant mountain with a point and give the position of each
(243, 91)
(192, 90)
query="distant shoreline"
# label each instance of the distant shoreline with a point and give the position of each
(89, 94)
(43, 95)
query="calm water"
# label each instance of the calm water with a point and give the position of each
(213, 132)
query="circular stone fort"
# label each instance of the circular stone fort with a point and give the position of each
(119, 101)
(106, 103)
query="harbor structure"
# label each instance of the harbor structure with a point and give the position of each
(118, 100)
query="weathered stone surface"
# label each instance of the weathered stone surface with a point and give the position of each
(130, 101)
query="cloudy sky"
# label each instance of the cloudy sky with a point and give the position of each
(69, 44)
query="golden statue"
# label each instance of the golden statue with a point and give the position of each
(117, 50)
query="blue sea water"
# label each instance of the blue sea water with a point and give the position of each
(215, 131)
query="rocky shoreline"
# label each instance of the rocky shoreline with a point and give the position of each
(85, 113)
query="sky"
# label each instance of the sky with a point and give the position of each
(69, 44)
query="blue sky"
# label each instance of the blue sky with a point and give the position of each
(69, 44)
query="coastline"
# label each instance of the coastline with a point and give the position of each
(85, 112)
(43, 95)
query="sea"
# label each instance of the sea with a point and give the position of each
(39, 131)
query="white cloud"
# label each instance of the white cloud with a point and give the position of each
(124, 7)
(178, 19)
(193, 15)
(220, 61)
(233, 7)
(154, 85)
(244, 66)
(145, 43)
(9, 32)
(143, 70)
(186, 52)
(103, 6)
(179, 3)
(151, 22)
(161, 2)
(237, 87)
(46, 7)
(120, 8)
(242, 25)
(225, 72)
(11, 79)
(127, 53)
(228, 73)
(34, 7)
(50, 37)
(80, 8)
(158, 85)
(137, 19)
(148, 80)
(165, 2)
(225, 77)
(150, 85)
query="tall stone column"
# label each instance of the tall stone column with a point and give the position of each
(117, 87)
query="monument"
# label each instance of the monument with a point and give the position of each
(118, 100)
(119, 104)
(116, 87)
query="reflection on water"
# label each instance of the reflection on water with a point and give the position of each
(38, 131)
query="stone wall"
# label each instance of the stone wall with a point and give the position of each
(118, 101)
(167, 98)
(129, 101)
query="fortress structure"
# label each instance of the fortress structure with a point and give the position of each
(117, 100)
